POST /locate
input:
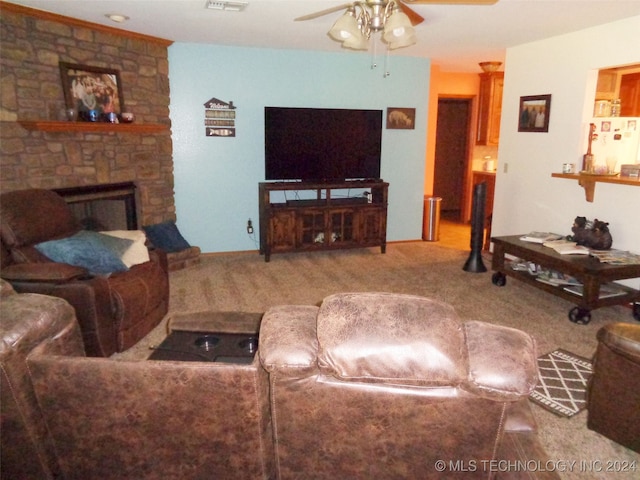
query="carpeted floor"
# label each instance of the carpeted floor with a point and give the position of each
(244, 282)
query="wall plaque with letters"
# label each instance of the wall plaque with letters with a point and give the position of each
(219, 118)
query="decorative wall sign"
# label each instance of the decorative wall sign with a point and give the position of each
(534, 113)
(219, 118)
(401, 118)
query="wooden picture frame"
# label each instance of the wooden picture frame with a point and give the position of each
(534, 113)
(401, 118)
(93, 92)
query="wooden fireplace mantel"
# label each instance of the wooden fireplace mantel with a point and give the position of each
(102, 127)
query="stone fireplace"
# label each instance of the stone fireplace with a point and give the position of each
(103, 207)
(83, 159)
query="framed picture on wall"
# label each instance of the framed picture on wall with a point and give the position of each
(534, 113)
(93, 92)
(401, 118)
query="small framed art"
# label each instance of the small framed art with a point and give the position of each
(534, 113)
(401, 118)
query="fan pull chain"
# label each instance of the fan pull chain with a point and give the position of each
(386, 64)
(374, 54)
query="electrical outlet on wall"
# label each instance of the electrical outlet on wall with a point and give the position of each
(505, 167)
(249, 227)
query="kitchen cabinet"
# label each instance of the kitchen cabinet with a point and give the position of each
(607, 87)
(489, 108)
(621, 83)
(630, 95)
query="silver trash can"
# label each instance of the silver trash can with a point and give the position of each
(431, 219)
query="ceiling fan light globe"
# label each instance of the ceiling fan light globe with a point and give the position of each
(397, 19)
(344, 28)
(406, 41)
(397, 26)
(356, 42)
(399, 35)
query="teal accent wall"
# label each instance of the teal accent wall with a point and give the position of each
(216, 178)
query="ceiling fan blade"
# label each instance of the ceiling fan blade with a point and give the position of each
(452, 2)
(321, 13)
(414, 18)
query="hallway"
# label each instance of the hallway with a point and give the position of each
(454, 234)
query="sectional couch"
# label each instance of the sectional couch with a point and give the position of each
(364, 386)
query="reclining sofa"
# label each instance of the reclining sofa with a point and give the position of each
(26, 321)
(365, 386)
(114, 311)
(613, 395)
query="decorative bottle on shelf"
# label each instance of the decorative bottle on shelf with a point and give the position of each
(615, 107)
(602, 108)
(588, 158)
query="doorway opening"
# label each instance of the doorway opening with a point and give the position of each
(451, 168)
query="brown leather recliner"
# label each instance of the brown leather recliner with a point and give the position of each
(613, 395)
(111, 419)
(67, 416)
(387, 386)
(114, 312)
(26, 448)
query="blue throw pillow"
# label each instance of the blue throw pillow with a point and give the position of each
(98, 253)
(166, 236)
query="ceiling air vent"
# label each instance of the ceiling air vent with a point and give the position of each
(230, 6)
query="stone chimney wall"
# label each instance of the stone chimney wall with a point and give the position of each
(33, 44)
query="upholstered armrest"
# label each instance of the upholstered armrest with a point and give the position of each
(160, 257)
(288, 338)
(173, 419)
(502, 361)
(50, 272)
(623, 339)
(90, 296)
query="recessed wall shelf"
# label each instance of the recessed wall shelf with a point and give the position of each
(588, 182)
(103, 127)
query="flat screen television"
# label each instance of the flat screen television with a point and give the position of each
(322, 144)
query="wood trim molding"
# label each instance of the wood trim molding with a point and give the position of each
(74, 22)
(103, 127)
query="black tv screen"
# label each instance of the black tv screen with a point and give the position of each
(322, 144)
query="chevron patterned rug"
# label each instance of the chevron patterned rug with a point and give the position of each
(562, 383)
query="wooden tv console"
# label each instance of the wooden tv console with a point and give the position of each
(320, 216)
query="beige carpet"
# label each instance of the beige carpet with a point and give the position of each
(245, 282)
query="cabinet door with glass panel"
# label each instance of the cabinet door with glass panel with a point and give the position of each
(311, 228)
(342, 227)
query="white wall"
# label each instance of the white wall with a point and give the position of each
(216, 179)
(527, 197)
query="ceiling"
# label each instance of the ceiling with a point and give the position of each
(455, 37)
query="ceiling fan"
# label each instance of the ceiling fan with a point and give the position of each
(394, 17)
